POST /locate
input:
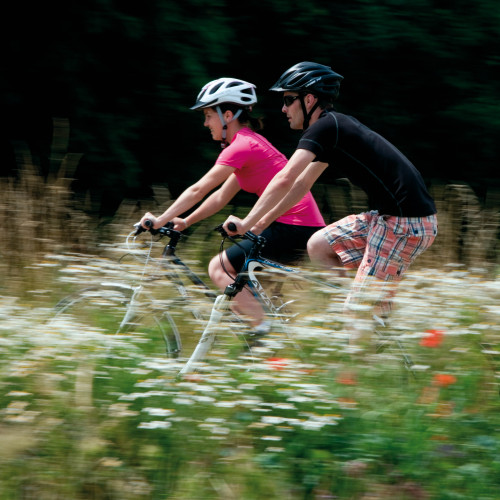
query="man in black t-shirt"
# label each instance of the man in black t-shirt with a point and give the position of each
(401, 222)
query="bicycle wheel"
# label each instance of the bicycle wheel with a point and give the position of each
(120, 309)
(227, 343)
(168, 325)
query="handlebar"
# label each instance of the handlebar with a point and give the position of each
(169, 231)
(166, 230)
(139, 229)
(261, 240)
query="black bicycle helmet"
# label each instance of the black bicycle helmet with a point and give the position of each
(311, 78)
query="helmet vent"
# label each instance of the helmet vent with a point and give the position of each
(226, 90)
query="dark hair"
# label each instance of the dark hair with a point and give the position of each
(325, 101)
(255, 124)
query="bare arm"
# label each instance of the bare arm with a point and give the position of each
(215, 201)
(275, 191)
(300, 188)
(192, 195)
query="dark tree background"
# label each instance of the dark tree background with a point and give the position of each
(425, 74)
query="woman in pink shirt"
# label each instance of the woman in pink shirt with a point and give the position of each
(247, 161)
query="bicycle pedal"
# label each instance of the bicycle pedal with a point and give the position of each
(262, 347)
(255, 343)
(252, 338)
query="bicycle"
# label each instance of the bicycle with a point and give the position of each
(254, 270)
(184, 320)
(172, 312)
(152, 312)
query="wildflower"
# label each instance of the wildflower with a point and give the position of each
(110, 462)
(347, 378)
(347, 403)
(433, 338)
(155, 424)
(443, 379)
(443, 409)
(158, 412)
(277, 363)
(429, 395)
(439, 437)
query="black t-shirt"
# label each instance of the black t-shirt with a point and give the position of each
(393, 185)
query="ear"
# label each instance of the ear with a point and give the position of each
(310, 100)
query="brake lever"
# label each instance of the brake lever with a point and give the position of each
(221, 230)
(138, 229)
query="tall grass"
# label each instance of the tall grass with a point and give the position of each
(40, 214)
(84, 416)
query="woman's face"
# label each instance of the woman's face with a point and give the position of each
(212, 122)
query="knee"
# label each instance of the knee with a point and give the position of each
(219, 273)
(320, 252)
(316, 246)
(214, 268)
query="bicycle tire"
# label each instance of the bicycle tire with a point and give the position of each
(169, 328)
(105, 307)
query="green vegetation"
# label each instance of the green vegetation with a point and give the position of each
(423, 73)
(91, 92)
(84, 415)
(88, 415)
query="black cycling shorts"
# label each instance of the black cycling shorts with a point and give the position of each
(284, 244)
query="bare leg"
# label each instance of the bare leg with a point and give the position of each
(321, 253)
(244, 303)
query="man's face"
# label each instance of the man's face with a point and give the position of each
(293, 110)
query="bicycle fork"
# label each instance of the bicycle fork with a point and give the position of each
(131, 308)
(208, 336)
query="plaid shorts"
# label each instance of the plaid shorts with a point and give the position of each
(382, 246)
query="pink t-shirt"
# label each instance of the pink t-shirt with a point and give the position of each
(256, 161)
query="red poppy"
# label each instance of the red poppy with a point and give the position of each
(443, 379)
(433, 338)
(277, 363)
(347, 378)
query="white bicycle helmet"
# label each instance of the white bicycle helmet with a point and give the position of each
(226, 90)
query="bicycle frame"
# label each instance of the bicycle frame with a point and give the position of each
(246, 277)
(169, 256)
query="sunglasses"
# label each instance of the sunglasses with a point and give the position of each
(288, 100)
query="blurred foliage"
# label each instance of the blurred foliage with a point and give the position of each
(424, 74)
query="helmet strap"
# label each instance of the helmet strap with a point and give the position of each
(307, 116)
(223, 143)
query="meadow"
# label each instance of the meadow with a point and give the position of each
(90, 416)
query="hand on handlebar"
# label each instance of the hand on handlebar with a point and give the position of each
(179, 223)
(143, 225)
(148, 221)
(234, 226)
